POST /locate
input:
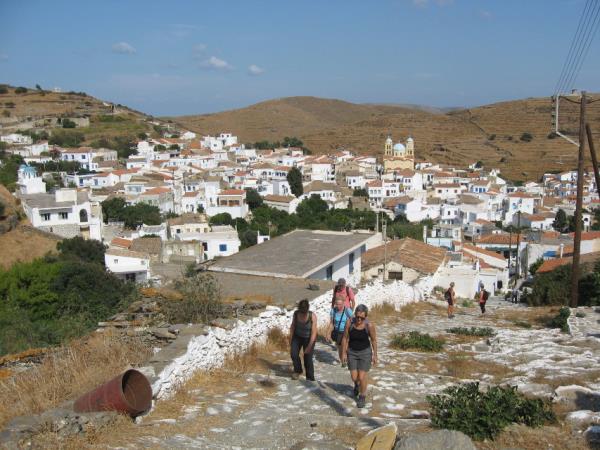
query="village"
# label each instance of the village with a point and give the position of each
(477, 228)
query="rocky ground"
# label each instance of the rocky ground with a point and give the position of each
(259, 406)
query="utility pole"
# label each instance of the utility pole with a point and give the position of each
(593, 153)
(578, 206)
(518, 245)
(384, 232)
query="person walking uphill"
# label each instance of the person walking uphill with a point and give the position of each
(339, 314)
(345, 291)
(303, 335)
(450, 297)
(359, 350)
(483, 297)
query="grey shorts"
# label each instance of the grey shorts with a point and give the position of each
(359, 360)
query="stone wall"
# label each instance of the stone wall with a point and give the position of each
(210, 349)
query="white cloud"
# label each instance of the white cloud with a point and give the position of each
(198, 51)
(181, 30)
(124, 48)
(215, 63)
(253, 69)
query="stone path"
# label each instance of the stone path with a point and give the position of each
(278, 413)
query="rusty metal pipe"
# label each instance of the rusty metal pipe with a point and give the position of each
(129, 393)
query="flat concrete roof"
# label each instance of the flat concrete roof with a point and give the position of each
(294, 255)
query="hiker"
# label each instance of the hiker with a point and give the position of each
(450, 297)
(359, 350)
(341, 288)
(339, 314)
(303, 335)
(483, 297)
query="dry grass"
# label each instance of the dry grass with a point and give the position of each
(582, 379)
(412, 310)
(463, 365)
(526, 438)
(254, 298)
(24, 244)
(535, 316)
(381, 312)
(66, 373)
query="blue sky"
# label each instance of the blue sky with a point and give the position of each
(176, 57)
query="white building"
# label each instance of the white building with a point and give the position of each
(16, 138)
(29, 182)
(67, 213)
(128, 265)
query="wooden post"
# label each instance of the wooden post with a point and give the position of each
(578, 206)
(593, 153)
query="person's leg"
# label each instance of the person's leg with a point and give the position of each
(295, 354)
(308, 361)
(339, 349)
(363, 378)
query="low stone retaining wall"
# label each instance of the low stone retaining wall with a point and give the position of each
(210, 349)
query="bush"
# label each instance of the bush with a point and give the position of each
(526, 137)
(473, 331)
(467, 303)
(20, 90)
(522, 324)
(68, 123)
(483, 415)
(201, 300)
(491, 137)
(560, 320)
(417, 341)
(3, 89)
(580, 314)
(66, 138)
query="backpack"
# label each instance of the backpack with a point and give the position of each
(366, 326)
(334, 294)
(447, 295)
(486, 295)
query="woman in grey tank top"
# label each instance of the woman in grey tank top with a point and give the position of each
(303, 335)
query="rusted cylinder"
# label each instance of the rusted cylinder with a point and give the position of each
(129, 393)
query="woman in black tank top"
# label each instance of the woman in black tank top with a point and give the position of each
(359, 350)
(303, 335)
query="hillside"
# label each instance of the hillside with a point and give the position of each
(456, 137)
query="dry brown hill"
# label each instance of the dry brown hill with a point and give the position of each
(490, 133)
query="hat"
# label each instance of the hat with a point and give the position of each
(341, 281)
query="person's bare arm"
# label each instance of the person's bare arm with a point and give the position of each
(329, 329)
(373, 333)
(352, 299)
(292, 328)
(313, 334)
(345, 341)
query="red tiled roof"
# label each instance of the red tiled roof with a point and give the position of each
(232, 192)
(157, 190)
(120, 242)
(473, 248)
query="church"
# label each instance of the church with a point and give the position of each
(398, 156)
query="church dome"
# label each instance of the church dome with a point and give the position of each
(410, 139)
(399, 148)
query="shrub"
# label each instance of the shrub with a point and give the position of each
(483, 415)
(491, 137)
(467, 303)
(522, 324)
(580, 314)
(526, 137)
(20, 90)
(560, 320)
(417, 341)
(3, 89)
(473, 331)
(68, 123)
(201, 300)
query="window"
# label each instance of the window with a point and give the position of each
(82, 156)
(222, 247)
(63, 215)
(351, 262)
(83, 217)
(45, 217)
(116, 261)
(329, 272)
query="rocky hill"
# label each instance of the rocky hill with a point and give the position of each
(514, 135)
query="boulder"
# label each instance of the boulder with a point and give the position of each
(382, 438)
(163, 333)
(438, 440)
(592, 435)
(581, 419)
(578, 397)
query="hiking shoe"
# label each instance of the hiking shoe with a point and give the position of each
(362, 400)
(356, 391)
(310, 379)
(344, 365)
(295, 376)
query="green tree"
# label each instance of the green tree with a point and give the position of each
(253, 198)
(112, 209)
(536, 265)
(596, 219)
(86, 250)
(8, 171)
(200, 209)
(141, 213)
(21, 90)
(560, 222)
(292, 142)
(526, 137)
(3, 89)
(64, 138)
(360, 192)
(221, 219)
(159, 148)
(68, 123)
(294, 178)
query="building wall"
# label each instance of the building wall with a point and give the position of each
(341, 269)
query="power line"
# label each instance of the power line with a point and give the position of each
(570, 52)
(586, 46)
